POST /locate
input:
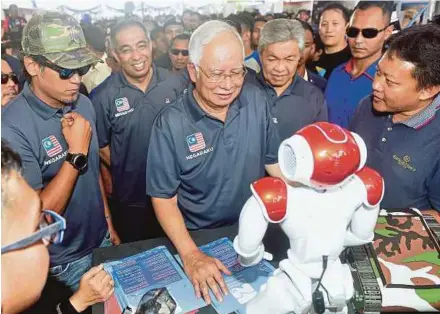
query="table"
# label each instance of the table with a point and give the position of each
(275, 240)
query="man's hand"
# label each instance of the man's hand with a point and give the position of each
(205, 273)
(95, 286)
(77, 132)
(114, 237)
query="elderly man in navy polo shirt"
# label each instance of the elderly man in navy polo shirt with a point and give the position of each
(295, 102)
(368, 29)
(126, 105)
(207, 148)
(51, 125)
(400, 121)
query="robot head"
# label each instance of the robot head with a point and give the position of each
(322, 155)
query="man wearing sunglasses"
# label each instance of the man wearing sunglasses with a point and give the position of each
(9, 83)
(179, 52)
(367, 32)
(51, 125)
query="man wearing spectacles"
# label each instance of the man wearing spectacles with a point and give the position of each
(9, 83)
(295, 103)
(367, 32)
(26, 231)
(207, 148)
(51, 125)
(179, 52)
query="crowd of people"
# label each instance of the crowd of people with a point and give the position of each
(135, 129)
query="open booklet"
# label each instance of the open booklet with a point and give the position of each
(153, 282)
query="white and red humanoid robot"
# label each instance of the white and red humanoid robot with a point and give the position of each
(335, 205)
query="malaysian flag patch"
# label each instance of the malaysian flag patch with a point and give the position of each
(52, 146)
(122, 104)
(195, 142)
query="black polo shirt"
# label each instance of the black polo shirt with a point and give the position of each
(301, 104)
(125, 116)
(406, 154)
(33, 129)
(207, 163)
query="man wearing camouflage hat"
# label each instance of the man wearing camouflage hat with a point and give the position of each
(52, 126)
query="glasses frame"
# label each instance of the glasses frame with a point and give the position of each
(179, 51)
(11, 76)
(58, 226)
(64, 73)
(223, 76)
(362, 31)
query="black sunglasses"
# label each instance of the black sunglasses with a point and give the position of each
(176, 52)
(64, 73)
(369, 33)
(10, 76)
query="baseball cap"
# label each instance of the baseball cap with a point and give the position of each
(59, 38)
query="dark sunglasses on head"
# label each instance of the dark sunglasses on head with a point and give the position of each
(369, 33)
(176, 52)
(64, 73)
(10, 76)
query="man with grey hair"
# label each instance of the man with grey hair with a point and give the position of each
(126, 105)
(295, 102)
(207, 148)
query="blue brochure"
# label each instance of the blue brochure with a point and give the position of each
(243, 284)
(152, 279)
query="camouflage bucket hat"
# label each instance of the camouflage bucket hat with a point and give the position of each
(59, 38)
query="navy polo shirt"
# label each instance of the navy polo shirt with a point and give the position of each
(300, 104)
(343, 92)
(33, 129)
(406, 154)
(125, 115)
(317, 80)
(207, 163)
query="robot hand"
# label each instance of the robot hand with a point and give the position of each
(251, 259)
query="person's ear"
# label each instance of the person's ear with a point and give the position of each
(428, 93)
(32, 67)
(192, 71)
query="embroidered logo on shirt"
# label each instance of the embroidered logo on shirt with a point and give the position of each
(122, 104)
(195, 142)
(52, 146)
(167, 100)
(274, 120)
(404, 162)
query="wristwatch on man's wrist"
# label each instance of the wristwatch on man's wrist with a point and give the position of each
(78, 161)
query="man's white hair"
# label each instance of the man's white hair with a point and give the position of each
(281, 30)
(204, 34)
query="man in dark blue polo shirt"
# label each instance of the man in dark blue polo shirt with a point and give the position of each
(52, 127)
(126, 105)
(368, 29)
(207, 148)
(400, 121)
(294, 102)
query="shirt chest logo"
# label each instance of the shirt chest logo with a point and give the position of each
(195, 142)
(404, 162)
(122, 107)
(122, 104)
(52, 146)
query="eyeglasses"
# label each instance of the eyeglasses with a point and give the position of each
(176, 52)
(51, 231)
(10, 76)
(217, 77)
(64, 73)
(369, 33)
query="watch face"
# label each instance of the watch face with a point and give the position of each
(80, 161)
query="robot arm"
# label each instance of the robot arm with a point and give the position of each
(361, 229)
(268, 204)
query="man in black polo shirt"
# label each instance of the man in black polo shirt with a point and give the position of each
(295, 103)
(207, 148)
(400, 121)
(52, 127)
(126, 105)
